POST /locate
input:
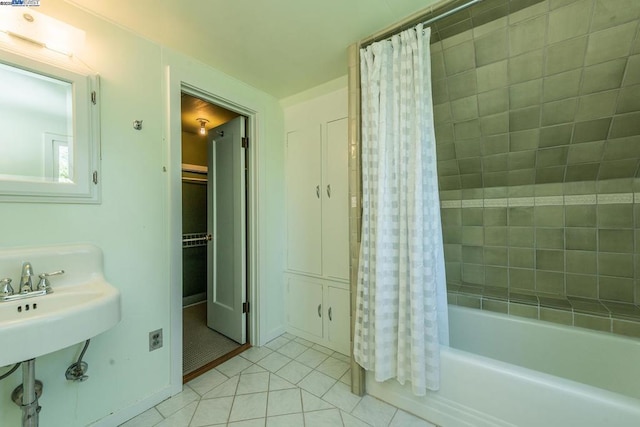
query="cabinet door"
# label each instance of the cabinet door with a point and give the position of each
(335, 206)
(304, 207)
(304, 305)
(338, 316)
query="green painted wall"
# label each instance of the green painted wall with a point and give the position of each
(131, 224)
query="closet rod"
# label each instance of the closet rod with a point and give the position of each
(412, 22)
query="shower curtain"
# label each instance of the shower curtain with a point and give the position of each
(401, 312)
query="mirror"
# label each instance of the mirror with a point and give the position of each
(49, 147)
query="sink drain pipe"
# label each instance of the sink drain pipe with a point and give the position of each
(26, 395)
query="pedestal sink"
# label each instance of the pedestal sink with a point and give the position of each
(82, 303)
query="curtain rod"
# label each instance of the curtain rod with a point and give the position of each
(451, 12)
(385, 34)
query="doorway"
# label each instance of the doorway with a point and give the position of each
(214, 234)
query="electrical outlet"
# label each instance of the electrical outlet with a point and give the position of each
(155, 339)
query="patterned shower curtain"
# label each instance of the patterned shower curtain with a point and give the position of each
(401, 317)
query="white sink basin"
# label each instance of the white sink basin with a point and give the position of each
(83, 304)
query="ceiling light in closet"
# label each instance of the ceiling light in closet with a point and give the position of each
(203, 128)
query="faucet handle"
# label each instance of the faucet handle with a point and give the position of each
(5, 287)
(44, 282)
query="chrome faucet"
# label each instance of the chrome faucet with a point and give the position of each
(26, 281)
(27, 288)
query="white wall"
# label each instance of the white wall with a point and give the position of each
(131, 225)
(315, 93)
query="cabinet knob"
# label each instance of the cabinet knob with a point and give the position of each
(330, 317)
(319, 310)
(329, 191)
(318, 191)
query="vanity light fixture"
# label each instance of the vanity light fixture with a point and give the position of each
(203, 128)
(42, 30)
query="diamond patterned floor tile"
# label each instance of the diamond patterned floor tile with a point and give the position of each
(291, 383)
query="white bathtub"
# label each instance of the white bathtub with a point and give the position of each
(510, 371)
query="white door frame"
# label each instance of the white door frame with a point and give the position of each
(176, 86)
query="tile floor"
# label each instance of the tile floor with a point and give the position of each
(288, 382)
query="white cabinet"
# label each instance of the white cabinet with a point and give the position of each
(319, 311)
(304, 205)
(335, 203)
(317, 200)
(317, 218)
(337, 302)
(304, 301)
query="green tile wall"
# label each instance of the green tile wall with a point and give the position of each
(557, 240)
(535, 92)
(537, 120)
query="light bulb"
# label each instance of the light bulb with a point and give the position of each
(203, 122)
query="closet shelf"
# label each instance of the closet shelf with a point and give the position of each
(195, 239)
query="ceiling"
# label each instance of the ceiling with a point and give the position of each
(194, 109)
(281, 47)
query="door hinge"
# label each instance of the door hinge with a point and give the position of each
(94, 97)
(245, 307)
(245, 142)
(95, 177)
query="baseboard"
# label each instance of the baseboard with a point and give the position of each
(271, 335)
(317, 340)
(125, 414)
(194, 299)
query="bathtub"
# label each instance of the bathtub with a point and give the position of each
(508, 371)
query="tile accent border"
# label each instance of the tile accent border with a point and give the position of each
(587, 199)
(583, 199)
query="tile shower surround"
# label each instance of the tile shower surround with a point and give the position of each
(549, 93)
(537, 112)
(557, 252)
